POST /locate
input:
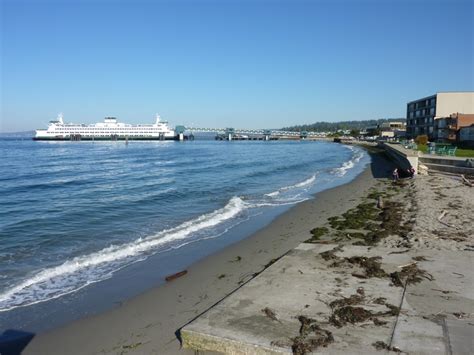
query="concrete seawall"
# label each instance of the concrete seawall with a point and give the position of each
(404, 158)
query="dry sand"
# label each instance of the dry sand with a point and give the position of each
(147, 323)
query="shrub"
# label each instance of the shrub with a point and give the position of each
(423, 139)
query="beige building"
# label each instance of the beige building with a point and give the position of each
(392, 129)
(422, 113)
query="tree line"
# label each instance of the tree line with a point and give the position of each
(343, 125)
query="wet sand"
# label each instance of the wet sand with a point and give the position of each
(148, 323)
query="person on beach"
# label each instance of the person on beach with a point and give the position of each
(395, 174)
(411, 172)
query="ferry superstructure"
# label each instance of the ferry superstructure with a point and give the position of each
(110, 129)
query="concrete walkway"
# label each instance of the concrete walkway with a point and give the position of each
(324, 299)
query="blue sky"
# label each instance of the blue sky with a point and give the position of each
(224, 63)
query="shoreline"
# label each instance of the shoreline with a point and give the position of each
(148, 322)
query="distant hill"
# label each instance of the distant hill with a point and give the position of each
(343, 125)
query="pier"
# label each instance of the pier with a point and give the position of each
(230, 134)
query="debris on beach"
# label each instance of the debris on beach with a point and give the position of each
(175, 276)
(270, 314)
(370, 265)
(349, 314)
(351, 300)
(410, 274)
(380, 345)
(331, 254)
(311, 336)
(344, 310)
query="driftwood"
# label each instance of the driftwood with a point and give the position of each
(380, 203)
(466, 181)
(410, 264)
(441, 216)
(175, 276)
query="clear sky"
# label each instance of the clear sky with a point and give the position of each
(249, 64)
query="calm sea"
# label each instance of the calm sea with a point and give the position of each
(75, 215)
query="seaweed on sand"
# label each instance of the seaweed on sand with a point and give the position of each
(380, 345)
(270, 314)
(331, 254)
(351, 300)
(317, 234)
(371, 266)
(410, 274)
(349, 314)
(360, 217)
(344, 311)
(311, 336)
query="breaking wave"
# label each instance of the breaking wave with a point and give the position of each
(302, 184)
(357, 155)
(81, 271)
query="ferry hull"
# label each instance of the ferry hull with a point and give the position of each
(76, 139)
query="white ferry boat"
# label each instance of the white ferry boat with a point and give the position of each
(110, 129)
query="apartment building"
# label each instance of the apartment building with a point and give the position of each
(466, 136)
(447, 128)
(422, 113)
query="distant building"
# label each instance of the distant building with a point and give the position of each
(392, 129)
(422, 113)
(389, 129)
(447, 129)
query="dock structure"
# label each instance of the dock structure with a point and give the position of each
(230, 133)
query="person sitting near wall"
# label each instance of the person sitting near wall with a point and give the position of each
(411, 172)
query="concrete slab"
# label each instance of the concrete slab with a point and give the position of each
(461, 336)
(301, 283)
(436, 314)
(429, 318)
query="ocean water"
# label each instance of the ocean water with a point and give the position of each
(75, 214)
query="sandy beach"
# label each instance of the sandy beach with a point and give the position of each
(393, 274)
(148, 322)
(429, 216)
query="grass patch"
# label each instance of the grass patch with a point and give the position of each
(465, 153)
(460, 152)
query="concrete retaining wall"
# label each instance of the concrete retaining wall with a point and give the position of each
(404, 158)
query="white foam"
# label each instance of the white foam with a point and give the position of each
(84, 270)
(346, 166)
(275, 204)
(304, 183)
